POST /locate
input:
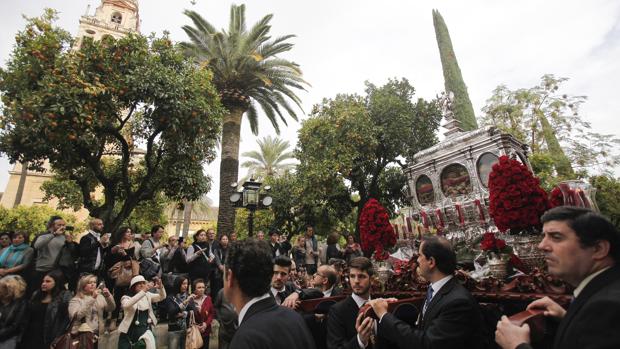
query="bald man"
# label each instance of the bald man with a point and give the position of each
(90, 250)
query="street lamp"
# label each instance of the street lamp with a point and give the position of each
(251, 198)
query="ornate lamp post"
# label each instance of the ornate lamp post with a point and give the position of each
(251, 198)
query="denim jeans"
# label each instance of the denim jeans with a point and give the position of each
(176, 339)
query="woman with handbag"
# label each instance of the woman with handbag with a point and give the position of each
(204, 312)
(139, 318)
(178, 306)
(13, 311)
(122, 265)
(87, 307)
(48, 310)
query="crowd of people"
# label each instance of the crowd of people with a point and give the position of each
(56, 288)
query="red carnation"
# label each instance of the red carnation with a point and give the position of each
(376, 232)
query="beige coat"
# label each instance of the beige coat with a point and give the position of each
(142, 301)
(90, 310)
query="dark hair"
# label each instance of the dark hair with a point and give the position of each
(226, 235)
(363, 264)
(333, 238)
(22, 233)
(155, 228)
(589, 226)
(59, 286)
(283, 261)
(178, 282)
(441, 250)
(196, 282)
(118, 236)
(274, 232)
(51, 221)
(251, 265)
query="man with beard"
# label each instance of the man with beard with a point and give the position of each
(281, 288)
(90, 249)
(450, 318)
(345, 328)
(583, 249)
(262, 323)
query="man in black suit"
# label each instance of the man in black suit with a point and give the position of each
(345, 328)
(280, 285)
(262, 323)
(90, 250)
(450, 318)
(277, 249)
(583, 249)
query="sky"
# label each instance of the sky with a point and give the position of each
(341, 44)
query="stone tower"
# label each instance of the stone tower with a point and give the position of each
(114, 18)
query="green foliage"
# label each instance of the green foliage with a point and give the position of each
(270, 160)
(358, 143)
(550, 123)
(32, 219)
(88, 111)
(148, 213)
(608, 192)
(453, 79)
(246, 67)
(263, 220)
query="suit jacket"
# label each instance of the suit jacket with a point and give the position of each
(341, 333)
(452, 320)
(591, 321)
(88, 249)
(269, 326)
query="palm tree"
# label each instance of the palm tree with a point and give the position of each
(270, 159)
(248, 74)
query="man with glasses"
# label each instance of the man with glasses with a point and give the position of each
(262, 323)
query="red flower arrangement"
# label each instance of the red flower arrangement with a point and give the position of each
(490, 243)
(556, 197)
(376, 232)
(516, 200)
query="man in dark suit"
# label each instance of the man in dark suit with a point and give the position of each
(281, 288)
(450, 318)
(277, 249)
(345, 328)
(262, 323)
(583, 249)
(90, 250)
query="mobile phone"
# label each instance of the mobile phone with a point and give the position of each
(181, 240)
(101, 285)
(69, 228)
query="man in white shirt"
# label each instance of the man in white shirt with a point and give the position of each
(582, 248)
(262, 323)
(450, 317)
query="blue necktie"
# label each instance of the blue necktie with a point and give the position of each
(429, 296)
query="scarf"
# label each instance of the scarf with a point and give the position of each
(16, 254)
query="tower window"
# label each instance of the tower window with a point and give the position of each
(117, 18)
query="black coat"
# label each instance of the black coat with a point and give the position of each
(269, 326)
(592, 320)
(13, 319)
(452, 320)
(88, 249)
(341, 333)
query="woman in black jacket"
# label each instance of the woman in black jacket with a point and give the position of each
(198, 258)
(49, 312)
(13, 311)
(178, 306)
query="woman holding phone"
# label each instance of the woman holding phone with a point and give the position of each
(198, 257)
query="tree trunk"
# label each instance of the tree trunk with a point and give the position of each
(187, 217)
(177, 228)
(229, 169)
(21, 185)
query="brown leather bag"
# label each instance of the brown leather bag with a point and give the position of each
(84, 339)
(193, 338)
(122, 272)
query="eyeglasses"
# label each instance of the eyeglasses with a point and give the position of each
(321, 275)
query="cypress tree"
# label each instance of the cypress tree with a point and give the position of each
(453, 80)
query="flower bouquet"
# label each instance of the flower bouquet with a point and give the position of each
(376, 232)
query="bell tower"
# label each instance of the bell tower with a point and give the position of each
(114, 18)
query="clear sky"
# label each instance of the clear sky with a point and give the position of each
(341, 44)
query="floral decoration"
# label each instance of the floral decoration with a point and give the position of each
(556, 197)
(376, 232)
(490, 243)
(516, 199)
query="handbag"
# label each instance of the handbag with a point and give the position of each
(122, 272)
(193, 338)
(148, 268)
(84, 339)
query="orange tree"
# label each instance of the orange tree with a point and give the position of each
(129, 117)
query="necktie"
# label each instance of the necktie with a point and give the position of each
(281, 297)
(429, 296)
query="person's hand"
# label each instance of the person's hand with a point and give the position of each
(291, 301)
(380, 306)
(509, 336)
(3, 272)
(364, 328)
(106, 293)
(221, 267)
(551, 308)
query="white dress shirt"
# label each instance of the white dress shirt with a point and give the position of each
(249, 304)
